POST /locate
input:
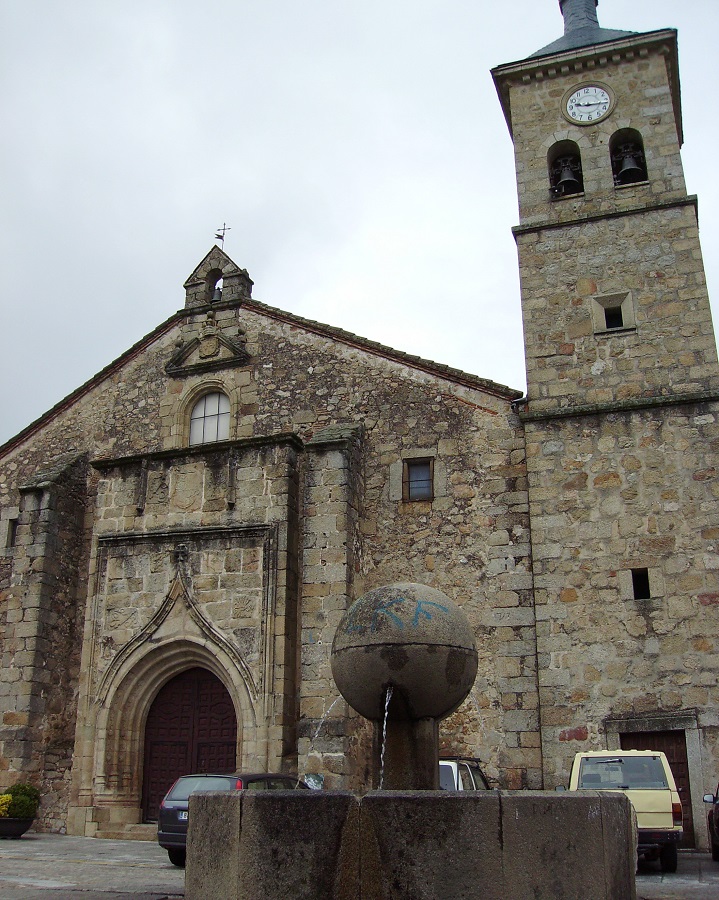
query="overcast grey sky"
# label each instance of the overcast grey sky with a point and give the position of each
(356, 149)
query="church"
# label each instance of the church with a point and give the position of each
(181, 535)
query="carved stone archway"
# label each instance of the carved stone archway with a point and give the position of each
(119, 732)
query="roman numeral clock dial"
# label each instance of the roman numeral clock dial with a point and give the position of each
(587, 104)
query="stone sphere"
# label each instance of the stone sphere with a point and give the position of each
(411, 637)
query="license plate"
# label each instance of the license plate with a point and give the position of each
(182, 816)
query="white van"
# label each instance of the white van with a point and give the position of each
(460, 773)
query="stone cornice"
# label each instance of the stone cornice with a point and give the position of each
(690, 200)
(288, 439)
(587, 60)
(621, 406)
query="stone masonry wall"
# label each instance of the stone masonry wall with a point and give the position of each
(652, 256)
(471, 541)
(612, 494)
(638, 241)
(40, 664)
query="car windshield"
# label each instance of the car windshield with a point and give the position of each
(638, 773)
(185, 786)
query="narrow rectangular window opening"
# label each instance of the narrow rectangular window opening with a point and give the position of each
(417, 479)
(613, 317)
(640, 583)
(11, 532)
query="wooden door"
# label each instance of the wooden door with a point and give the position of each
(673, 744)
(191, 727)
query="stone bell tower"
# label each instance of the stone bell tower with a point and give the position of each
(621, 411)
(613, 293)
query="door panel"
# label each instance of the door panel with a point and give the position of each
(191, 727)
(673, 744)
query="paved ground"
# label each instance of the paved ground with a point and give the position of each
(696, 878)
(57, 867)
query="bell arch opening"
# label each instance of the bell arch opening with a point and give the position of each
(629, 164)
(564, 162)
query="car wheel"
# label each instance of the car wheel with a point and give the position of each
(668, 858)
(715, 849)
(177, 856)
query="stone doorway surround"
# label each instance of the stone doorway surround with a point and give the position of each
(686, 721)
(108, 771)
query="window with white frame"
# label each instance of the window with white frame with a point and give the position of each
(210, 419)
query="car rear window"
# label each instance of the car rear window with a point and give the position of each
(446, 777)
(183, 787)
(480, 782)
(639, 773)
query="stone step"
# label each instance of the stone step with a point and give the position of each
(129, 833)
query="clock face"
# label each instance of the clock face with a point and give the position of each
(588, 104)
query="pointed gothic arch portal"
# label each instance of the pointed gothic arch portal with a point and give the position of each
(191, 727)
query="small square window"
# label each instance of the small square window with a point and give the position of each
(613, 317)
(640, 584)
(417, 479)
(613, 312)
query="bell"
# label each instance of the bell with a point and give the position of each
(217, 295)
(630, 170)
(567, 182)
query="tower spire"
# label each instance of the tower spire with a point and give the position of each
(581, 28)
(579, 14)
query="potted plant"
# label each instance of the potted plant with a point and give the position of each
(18, 808)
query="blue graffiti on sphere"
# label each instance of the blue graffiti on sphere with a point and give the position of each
(388, 613)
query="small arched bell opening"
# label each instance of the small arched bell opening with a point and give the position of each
(626, 150)
(564, 162)
(213, 284)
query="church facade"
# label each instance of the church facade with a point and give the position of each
(180, 537)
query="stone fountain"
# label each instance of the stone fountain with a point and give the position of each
(404, 657)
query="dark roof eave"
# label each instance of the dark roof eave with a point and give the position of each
(457, 376)
(91, 383)
(582, 37)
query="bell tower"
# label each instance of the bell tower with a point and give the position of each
(621, 419)
(614, 300)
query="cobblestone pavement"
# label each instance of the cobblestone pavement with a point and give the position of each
(58, 867)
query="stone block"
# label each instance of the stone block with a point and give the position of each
(213, 860)
(274, 844)
(426, 845)
(559, 847)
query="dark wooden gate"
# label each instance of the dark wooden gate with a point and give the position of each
(191, 727)
(673, 744)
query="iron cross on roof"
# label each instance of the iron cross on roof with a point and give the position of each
(220, 233)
